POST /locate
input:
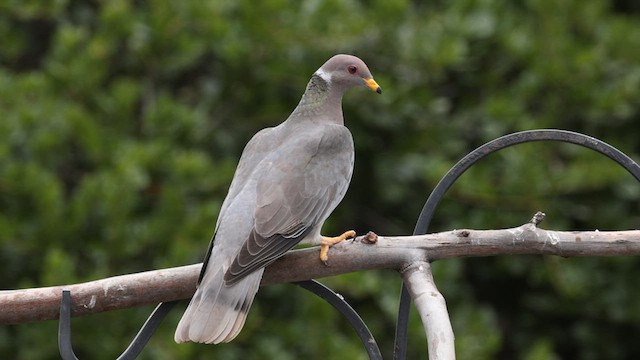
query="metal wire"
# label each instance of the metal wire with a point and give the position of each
(472, 158)
(64, 328)
(133, 350)
(151, 325)
(148, 329)
(348, 312)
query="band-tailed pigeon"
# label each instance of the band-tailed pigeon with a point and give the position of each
(289, 179)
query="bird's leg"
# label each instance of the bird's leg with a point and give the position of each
(328, 242)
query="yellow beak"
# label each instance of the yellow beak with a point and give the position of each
(373, 85)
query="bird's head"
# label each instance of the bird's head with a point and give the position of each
(347, 71)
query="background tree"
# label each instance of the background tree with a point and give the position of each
(121, 124)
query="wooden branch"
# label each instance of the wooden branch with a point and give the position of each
(432, 309)
(362, 253)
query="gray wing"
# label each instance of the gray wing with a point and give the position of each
(303, 182)
(260, 145)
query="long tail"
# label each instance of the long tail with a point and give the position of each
(217, 312)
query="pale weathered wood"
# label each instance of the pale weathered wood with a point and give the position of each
(432, 309)
(355, 255)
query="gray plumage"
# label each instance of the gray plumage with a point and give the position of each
(289, 179)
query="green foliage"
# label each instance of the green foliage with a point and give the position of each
(121, 123)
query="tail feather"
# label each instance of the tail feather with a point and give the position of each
(217, 312)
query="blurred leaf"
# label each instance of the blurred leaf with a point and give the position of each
(121, 124)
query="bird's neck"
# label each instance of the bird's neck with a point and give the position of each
(320, 102)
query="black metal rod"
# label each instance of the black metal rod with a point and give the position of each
(402, 325)
(472, 158)
(64, 328)
(147, 330)
(348, 312)
(65, 345)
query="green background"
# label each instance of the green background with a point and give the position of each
(121, 123)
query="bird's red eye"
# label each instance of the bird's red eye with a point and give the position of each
(352, 69)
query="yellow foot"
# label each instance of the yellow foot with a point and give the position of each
(328, 242)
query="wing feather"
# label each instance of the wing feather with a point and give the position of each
(260, 145)
(305, 181)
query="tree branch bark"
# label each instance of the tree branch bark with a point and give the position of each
(360, 254)
(433, 310)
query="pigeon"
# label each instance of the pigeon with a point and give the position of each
(289, 179)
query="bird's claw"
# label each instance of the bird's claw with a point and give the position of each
(328, 242)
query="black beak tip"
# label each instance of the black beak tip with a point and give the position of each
(379, 90)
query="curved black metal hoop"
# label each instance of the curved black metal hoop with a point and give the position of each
(470, 159)
(133, 350)
(148, 329)
(65, 345)
(348, 312)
